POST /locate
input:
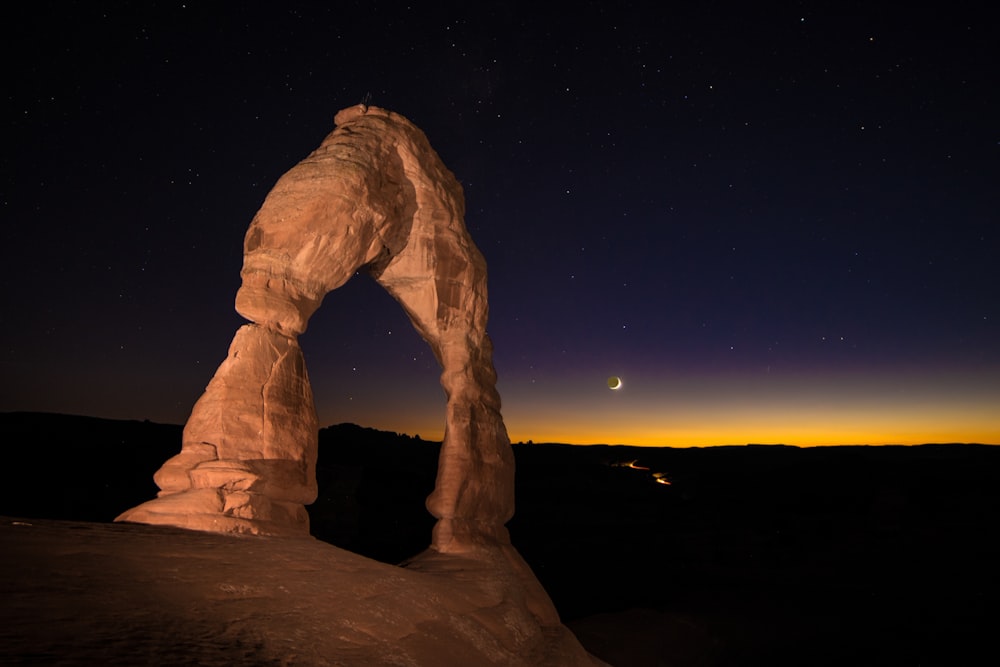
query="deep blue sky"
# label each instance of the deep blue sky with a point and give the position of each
(769, 222)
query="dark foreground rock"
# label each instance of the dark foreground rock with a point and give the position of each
(124, 594)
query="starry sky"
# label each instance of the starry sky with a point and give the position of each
(775, 225)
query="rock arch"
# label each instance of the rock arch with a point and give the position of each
(375, 195)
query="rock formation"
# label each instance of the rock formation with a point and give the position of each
(374, 195)
(248, 459)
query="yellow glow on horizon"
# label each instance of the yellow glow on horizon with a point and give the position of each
(888, 410)
(802, 437)
(804, 428)
(671, 411)
(824, 433)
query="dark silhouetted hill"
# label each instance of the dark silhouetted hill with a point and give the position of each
(79, 468)
(737, 555)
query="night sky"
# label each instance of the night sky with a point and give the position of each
(774, 225)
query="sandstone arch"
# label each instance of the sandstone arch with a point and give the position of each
(376, 195)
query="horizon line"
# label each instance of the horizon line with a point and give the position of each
(532, 442)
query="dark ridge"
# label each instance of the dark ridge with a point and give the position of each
(79, 468)
(372, 488)
(763, 552)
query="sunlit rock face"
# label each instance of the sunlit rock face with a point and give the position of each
(373, 196)
(248, 459)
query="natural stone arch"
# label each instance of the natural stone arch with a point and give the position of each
(376, 195)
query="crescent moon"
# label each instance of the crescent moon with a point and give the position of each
(614, 383)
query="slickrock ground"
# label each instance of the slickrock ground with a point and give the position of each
(79, 593)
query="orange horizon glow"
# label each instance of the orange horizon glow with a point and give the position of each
(722, 441)
(856, 437)
(814, 428)
(889, 408)
(873, 409)
(728, 425)
(740, 411)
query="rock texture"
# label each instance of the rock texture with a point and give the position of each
(248, 459)
(376, 196)
(113, 594)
